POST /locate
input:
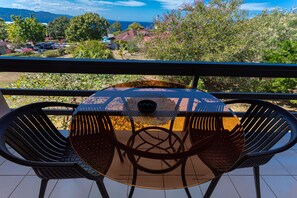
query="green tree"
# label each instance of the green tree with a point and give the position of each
(269, 29)
(285, 52)
(57, 27)
(219, 31)
(202, 32)
(135, 26)
(3, 31)
(25, 30)
(115, 27)
(92, 49)
(89, 26)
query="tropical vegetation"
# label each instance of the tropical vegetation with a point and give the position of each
(57, 27)
(89, 26)
(24, 30)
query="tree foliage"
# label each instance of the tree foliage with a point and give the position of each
(270, 28)
(284, 52)
(89, 26)
(219, 31)
(57, 27)
(203, 32)
(3, 31)
(115, 27)
(92, 49)
(25, 30)
(135, 26)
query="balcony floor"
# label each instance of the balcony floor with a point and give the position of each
(278, 179)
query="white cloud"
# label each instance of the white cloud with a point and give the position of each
(130, 3)
(255, 6)
(173, 4)
(21, 1)
(60, 6)
(17, 5)
(72, 7)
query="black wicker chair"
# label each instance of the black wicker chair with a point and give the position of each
(29, 131)
(264, 124)
(4, 109)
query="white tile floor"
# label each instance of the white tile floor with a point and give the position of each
(278, 179)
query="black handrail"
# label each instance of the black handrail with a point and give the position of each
(62, 65)
(85, 93)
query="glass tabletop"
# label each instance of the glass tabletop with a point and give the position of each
(160, 138)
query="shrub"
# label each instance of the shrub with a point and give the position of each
(51, 53)
(70, 49)
(132, 47)
(30, 54)
(92, 49)
(121, 44)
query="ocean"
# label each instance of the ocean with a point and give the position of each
(125, 24)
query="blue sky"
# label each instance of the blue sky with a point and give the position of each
(127, 10)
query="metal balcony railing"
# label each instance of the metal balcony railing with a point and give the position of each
(194, 69)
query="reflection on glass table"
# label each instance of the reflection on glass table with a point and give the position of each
(189, 138)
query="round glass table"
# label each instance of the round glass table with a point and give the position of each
(158, 138)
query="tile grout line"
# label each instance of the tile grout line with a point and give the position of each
(283, 167)
(19, 183)
(3, 161)
(267, 185)
(199, 186)
(91, 189)
(50, 194)
(196, 174)
(234, 186)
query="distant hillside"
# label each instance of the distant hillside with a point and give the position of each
(43, 17)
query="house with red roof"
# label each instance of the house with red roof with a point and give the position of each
(2, 47)
(126, 36)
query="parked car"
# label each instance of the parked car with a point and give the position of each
(38, 46)
(28, 45)
(26, 50)
(49, 45)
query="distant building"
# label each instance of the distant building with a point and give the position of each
(126, 36)
(131, 34)
(109, 41)
(2, 47)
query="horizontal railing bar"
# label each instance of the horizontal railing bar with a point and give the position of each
(65, 65)
(266, 96)
(69, 112)
(47, 92)
(86, 93)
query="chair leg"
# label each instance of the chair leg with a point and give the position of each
(133, 183)
(212, 186)
(102, 188)
(120, 155)
(257, 180)
(42, 187)
(183, 175)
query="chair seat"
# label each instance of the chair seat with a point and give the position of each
(71, 156)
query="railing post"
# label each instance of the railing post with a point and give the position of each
(195, 81)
